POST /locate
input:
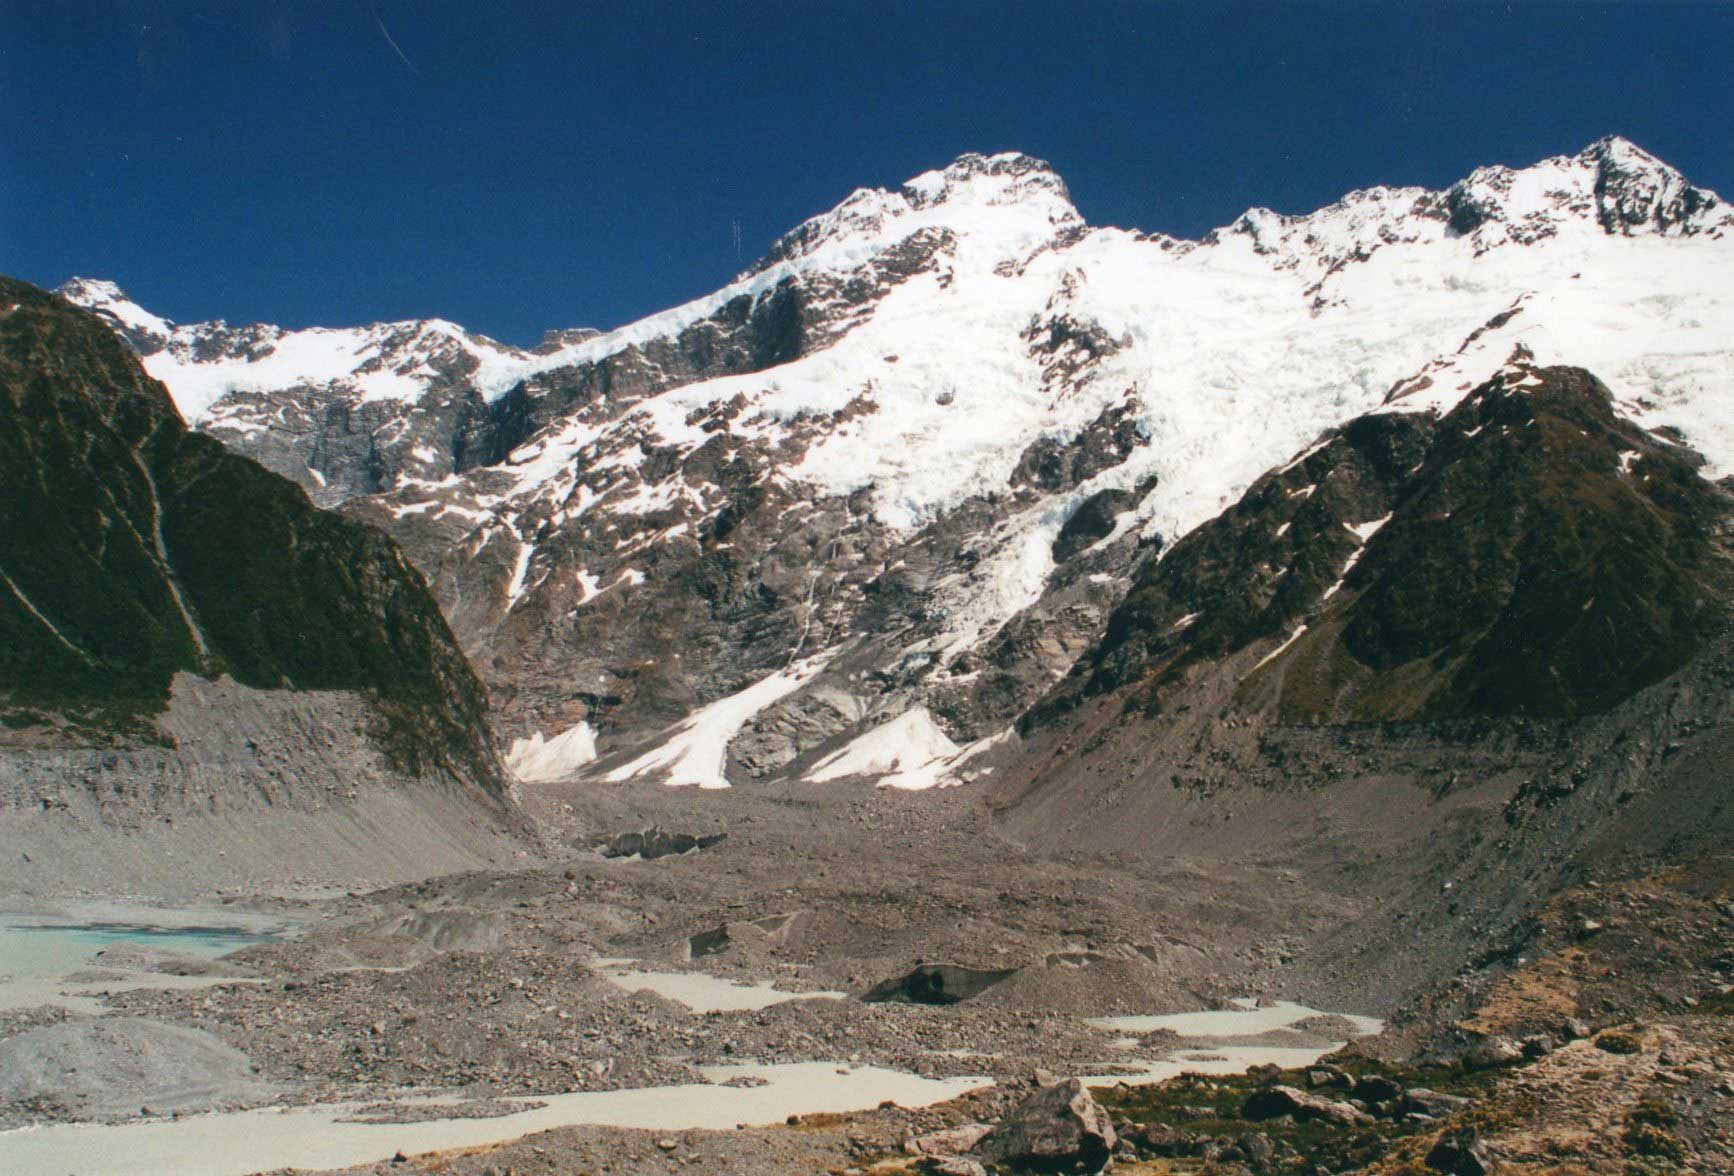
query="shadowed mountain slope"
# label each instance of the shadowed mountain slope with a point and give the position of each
(132, 548)
(1529, 554)
(203, 677)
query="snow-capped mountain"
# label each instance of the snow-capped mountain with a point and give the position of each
(342, 411)
(894, 480)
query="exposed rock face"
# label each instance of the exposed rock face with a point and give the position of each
(1273, 1102)
(952, 1141)
(1056, 1127)
(138, 557)
(1530, 554)
(1460, 1153)
(657, 842)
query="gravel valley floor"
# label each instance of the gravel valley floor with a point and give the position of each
(583, 974)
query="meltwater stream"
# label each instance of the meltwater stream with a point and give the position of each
(234, 1143)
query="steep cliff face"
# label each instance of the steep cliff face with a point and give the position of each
(138, 557)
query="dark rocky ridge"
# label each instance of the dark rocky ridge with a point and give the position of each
(134, 549)
(1541, 557)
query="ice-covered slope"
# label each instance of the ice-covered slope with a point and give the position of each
(342, 411)
(203, 363)
(869, 444)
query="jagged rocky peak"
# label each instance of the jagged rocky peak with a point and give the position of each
(1636, 191)
(1010, 177)
(564, 337)
(1613, 184)
(1611, 187)
(1005, 195)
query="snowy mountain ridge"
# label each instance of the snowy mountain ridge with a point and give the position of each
(202, 363)
(944, 423)
(1002, 204)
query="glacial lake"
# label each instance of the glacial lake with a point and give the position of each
(708, 994)
(39, 951)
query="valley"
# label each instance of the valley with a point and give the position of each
(980, 692)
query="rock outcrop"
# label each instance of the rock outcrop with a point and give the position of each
(1053, 1129)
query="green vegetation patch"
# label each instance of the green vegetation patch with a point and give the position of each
(1204, 1108)
(1619, 1041)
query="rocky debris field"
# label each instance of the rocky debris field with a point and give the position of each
(498, 984)
(117, 1067)
(1643, 1099)
(1573, 1048)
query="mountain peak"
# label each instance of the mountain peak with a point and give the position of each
(1008, 177)
(1613, 183)
(89, 292)
(1010, 197)
(144, 331)
(1637, 192)
(1619, 150)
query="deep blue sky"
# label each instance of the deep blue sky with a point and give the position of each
(534, 165)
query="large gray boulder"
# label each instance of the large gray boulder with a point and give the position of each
(1273, 1102)
(951, 1141)
(1059, 1126)
(1460, 1153)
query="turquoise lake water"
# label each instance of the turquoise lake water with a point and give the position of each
(41, 948)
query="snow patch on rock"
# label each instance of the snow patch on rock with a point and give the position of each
(535, 761)
(908, 752)
(694, 752)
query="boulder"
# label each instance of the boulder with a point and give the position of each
(1328, 1075)
(1160, 1139)
(1419, 1100)
(1460, 1153)
(1538, 1045)
(1255, 1151)
(1376, 1088)
(1273, 1102)
(1491, 1052)
(1057, 1126)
